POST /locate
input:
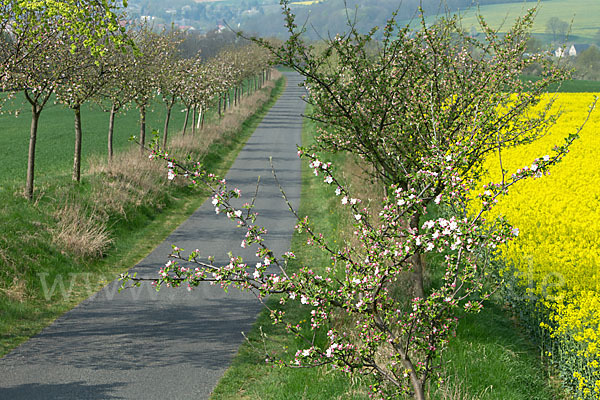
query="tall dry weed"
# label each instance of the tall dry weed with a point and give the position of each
(16, 291)
(454, 389)
(129, 180)
(80, 232)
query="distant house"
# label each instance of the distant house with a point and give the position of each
(250, 12)
(185, 27)
(571, 50)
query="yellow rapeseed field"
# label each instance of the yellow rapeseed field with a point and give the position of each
(556, 257)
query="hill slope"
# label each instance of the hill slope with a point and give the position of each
(328, 17)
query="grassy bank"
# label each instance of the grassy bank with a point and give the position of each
(491, 357)
(82, 235)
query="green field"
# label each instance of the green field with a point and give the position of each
(56, 135)
(571, 86)
(583, 13)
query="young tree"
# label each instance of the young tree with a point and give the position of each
(28, 55)
(37, 76)
(206, 86)
(420, 94)
(146, 67)
(557, 27)
(118, 92)
(87, 75)
(196, 81)
(27, 23)
(423, 111)
(188, 96)
(171, 78)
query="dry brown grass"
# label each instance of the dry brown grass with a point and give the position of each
(16, 291)
(130, 179)
(363, 185)
(80, 232)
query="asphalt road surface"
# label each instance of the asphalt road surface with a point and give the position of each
(175, 344)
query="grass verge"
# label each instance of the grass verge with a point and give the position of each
(41, 276)
(490, 358)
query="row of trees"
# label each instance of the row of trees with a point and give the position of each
(49, 61)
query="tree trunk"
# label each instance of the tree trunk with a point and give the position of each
(220, 112)
(417, 264)
(35, 116)
(166, 131)
(419, 388)
(185, 122)
(77, 155)
(203, 110)
(194, 121)
(200, 115)
(142, 127)
(111, 129)
(416, 383)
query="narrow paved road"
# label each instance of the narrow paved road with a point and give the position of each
(175, 344)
